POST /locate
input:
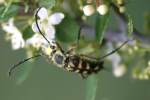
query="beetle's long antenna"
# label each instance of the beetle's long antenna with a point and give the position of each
(110, 53)
(21, 62)
(36, 21)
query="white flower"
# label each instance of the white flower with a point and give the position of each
(118, 70)
(46, 23)
(14, 34)
(36, 41)
(114, 58)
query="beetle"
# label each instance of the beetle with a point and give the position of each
(81, 64)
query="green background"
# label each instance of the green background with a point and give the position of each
(47, 82)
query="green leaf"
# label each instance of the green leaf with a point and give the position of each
(91, 87)
(67, 31)
(47, 3)
(147, 23)
(130, 26)
(101, 24)
(8, 12)
(27, 32)
(23, 72)
(2, 8)
(6, 9)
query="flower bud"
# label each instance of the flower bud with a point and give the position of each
(88, 10)
(119, 71)
(102, 9)
(122, 9)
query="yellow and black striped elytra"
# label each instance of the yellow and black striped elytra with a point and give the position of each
(72, 62)
(83, 66)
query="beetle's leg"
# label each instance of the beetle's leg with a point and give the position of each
(84, 76)
(88, 57)
(71, 50)
(74, 46)
(78, 36)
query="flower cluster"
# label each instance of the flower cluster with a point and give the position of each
(101, 7)
(13, 34)
(46, 23)
(142, 74)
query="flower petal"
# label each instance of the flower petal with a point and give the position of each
(17, 42)
(43, 14)
(36, 41)
(9, 27)
(49, 32)
(56, 18)
(14, 34)
(34, 27)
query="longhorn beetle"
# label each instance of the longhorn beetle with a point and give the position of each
(81, 64)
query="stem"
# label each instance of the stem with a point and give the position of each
(143, 38)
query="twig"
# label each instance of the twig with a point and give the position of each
(136, 34)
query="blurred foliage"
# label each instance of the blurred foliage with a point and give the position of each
(147, 22)
(23, 72)
(9, 12)
(69, 29)
(130, 26)
(135, 57)
(91, 87)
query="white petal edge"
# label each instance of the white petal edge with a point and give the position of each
(34, 27)
(49, 32)
(56, 18)
(17, 42)
(10, 28)
(43, 14)
(36, 41)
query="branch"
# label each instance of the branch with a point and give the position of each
(144, 39)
